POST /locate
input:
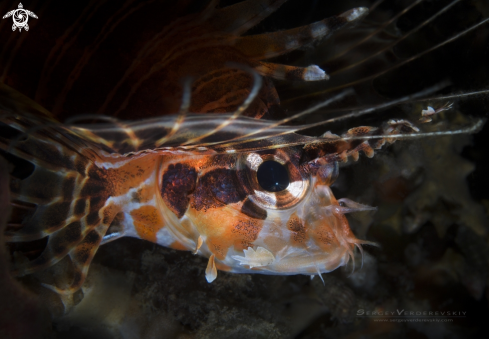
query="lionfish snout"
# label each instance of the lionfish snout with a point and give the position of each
(330, 240)
(304, 229)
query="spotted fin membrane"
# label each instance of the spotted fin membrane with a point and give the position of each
(191, 181)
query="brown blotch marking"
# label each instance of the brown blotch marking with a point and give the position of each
(109, 213)
(92, 238)
(94, 188)
(132, 174)
(61, 242)
(252, 210)
(217, 188)
(247, 231)
(147, 221)
(323, 234)
(98, 183)
(93, 219)
(361, 130)
(83, 255)
(79, 208)
(84, 252)
(178, 182)
(295, 225)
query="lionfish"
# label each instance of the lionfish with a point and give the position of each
(182, 151)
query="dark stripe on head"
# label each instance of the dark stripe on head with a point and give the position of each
(252, 210)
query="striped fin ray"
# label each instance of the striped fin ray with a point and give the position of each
(285, 72)
(81, 256)
(370, 52)
(228, 133)
(62, 195)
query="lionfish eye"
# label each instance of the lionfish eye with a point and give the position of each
(273, 176)
(273, 179)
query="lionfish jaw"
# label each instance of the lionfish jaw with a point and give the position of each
(312, 239)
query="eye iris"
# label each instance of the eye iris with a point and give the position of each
(272, 176)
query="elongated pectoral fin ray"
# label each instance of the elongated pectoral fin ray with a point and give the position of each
(378, 30)
(257, 83)
(81, 256)
(285, 72)
(269, 45)
(391, 68)
(58, 246)
(240, 17)
(211, 270)
(400, 39)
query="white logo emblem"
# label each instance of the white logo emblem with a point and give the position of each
(20, 17)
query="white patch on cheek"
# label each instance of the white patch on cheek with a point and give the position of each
(260, 257)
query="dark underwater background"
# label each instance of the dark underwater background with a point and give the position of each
(432, 222)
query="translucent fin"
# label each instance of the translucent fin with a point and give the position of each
(81, 256)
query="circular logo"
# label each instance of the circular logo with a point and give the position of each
(20, 17)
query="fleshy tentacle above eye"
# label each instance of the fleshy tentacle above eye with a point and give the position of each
(356, 140)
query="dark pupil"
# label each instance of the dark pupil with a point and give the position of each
(272, 176)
